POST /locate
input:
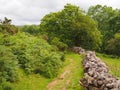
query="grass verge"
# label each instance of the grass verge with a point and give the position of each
(112, 63)
(74, 69)
(31, 82)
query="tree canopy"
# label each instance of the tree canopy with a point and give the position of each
(7, 27)
(102, 14)
(73, 27)
(108, 22)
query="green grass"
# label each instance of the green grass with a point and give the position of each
(31, 82)
(112, 63)
(73, 64)
(77, 72)
(37, 82)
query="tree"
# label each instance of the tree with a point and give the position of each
(73, 27)
(6, 27)
(34, 54)
(115, 24)
(103, 15)
(31, 29)
(113, 46)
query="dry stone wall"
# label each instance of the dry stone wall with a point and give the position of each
(78, 50)
(96, 74)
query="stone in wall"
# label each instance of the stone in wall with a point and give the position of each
(96, 74)
(78, 50)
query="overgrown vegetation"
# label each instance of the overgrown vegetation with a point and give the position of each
(40, 49)
(24, 51)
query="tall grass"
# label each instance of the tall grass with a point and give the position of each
(31, 82)
(74, 66)
(112, 63)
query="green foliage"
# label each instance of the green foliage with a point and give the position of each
(114, 23)
(102, 14)
(108, 22)
(6, 86)
(48, 64)
(66, 28)
(8, 65)
(31, 82)
(60, 45)
(72, 27)
(113, 46)
(6, 27)
(113, 64)
(34, 54)
(71, 72)
(8, 61)
(31, 29)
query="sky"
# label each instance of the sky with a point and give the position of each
(32, 11)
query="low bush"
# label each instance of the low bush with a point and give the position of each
(35, 54)
(8, 64)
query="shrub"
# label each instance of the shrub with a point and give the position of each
(6, 86)
(60, 45)
(8, 64)
(36, 55)
(48, 64)
(113, 46)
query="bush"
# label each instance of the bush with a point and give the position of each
(8, 64)
(35, 54)
(113, 46)
(31, 29)
(48, 64)
(60, 45)
(32, 54)
(6, 86)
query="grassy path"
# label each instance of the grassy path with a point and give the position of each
(68, 78)
(31, 82)
(70, 75)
